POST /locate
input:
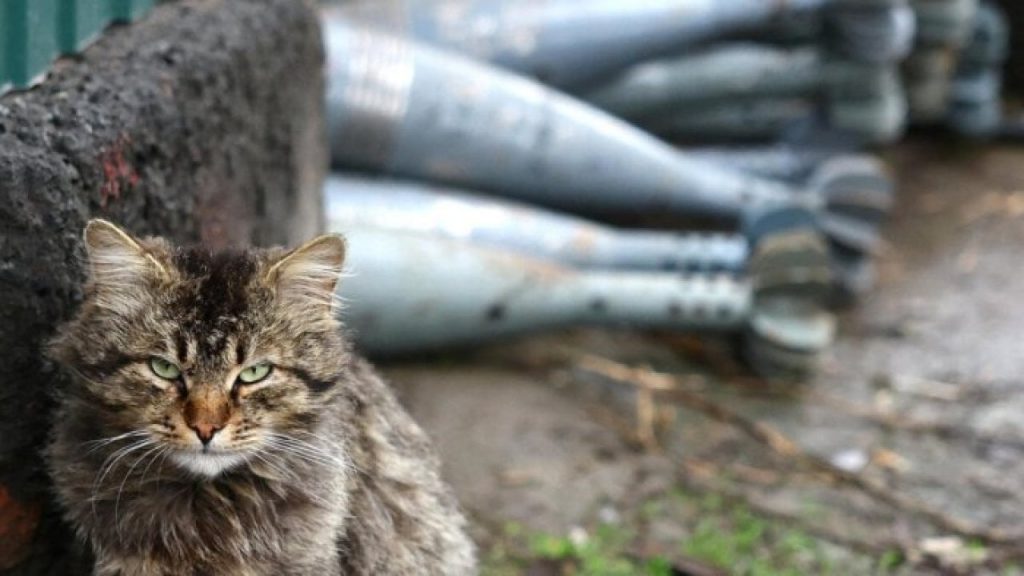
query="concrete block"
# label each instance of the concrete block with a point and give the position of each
(203, 122)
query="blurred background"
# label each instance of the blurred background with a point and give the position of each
(691, 287)
(688, 287)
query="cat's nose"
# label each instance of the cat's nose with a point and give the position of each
(205, 431)
(206, 414)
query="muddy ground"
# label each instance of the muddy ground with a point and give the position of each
(909, 442)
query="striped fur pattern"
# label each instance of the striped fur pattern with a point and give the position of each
(314, 469)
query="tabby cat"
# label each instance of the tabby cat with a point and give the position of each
(218, 423)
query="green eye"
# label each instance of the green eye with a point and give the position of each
(164, 369)
(254, 373)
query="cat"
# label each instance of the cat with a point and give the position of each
(218, 423)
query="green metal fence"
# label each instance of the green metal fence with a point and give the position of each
(34, 32)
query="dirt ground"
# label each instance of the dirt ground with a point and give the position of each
(908, 444)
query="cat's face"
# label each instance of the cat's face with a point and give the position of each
(207, 358)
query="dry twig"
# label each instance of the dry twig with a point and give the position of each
(671, 388)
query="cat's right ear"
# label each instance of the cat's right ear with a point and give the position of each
(118, 263)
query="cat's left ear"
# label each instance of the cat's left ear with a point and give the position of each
(310, 273)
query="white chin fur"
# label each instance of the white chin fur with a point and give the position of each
(208, 464)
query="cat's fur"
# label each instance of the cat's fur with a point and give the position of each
(315, 471)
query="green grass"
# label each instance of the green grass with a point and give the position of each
(603, 553)
(732, 537)
(720, 534)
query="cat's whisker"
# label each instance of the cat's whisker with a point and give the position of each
(344, 463)
(278, 469)
(325, 458)
(160, 468)
(101, 442)
(309, 451)
(162, 453)
(301, 453)
(120, 489)
(113, 438)
(287, 450)
(301, 445)
(109, 463)
(117, 455)
(265, 457)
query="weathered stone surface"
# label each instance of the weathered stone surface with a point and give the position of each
(201, 122)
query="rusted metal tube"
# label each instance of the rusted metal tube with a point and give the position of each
(412, 111)
(408, 206)
(400, 299)
(572, 45)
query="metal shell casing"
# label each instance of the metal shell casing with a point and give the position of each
(414, 207)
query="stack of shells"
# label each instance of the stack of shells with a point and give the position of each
(472, 139)
(834, 69)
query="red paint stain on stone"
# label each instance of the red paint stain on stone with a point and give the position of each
(118, 174)
(18, 522)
